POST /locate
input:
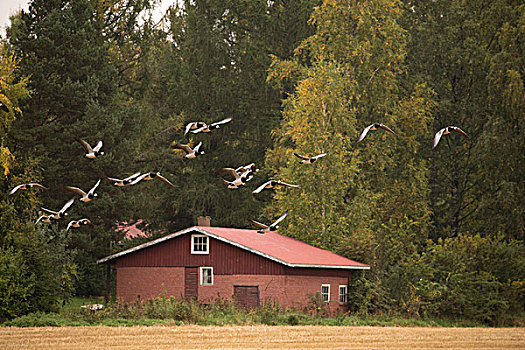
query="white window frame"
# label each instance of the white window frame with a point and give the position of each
(345, 294)
(193, 251)
(328, 299)
(202, 275)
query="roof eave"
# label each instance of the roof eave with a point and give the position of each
(347, 267)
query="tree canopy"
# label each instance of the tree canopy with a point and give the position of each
(437, 225)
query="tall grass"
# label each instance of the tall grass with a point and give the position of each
(166, 310)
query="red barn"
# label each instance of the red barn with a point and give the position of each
(205, 262)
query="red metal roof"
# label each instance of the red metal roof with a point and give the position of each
(272, 245)
(281, 247)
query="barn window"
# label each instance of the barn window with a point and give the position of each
(325, 292)
(343, 291)
(199, 244)
(206, 276)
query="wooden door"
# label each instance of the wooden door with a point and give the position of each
(247, 296)
(191, 282)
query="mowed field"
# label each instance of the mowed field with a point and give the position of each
(261, 337)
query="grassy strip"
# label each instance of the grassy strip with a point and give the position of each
(172, 311)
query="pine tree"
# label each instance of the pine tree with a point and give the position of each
(62, 49)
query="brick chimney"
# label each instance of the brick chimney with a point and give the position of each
(203, 221)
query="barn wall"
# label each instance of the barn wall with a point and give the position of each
(225, 258)
(289, 291)
(150, 282)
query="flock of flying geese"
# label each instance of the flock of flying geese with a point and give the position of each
(239, 176)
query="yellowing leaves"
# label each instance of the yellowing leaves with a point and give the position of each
(6, 158)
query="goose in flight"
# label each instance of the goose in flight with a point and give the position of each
(265, 228)
(123, 182)
(193, 126)
(247, 168)
(239, 177)
(309, 160)
(272, 184)
(190, 152)
(92, 152)
(27, 186)
(374, 126)
(86, 197)
(213, 126)
(150, 176)
(445, 131)
(78, 223)
(58, 214)
(247, 171)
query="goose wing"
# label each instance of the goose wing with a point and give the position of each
(112, 179)
(163, 179)
(196, 149)
(230, 171)
(257, 224)
(138, 179)
(363, 134)
(224, 121)
(67, 205)
(75, 190)
(47, 211)
(437, 137)
(185, 148)
(320, 155)
(16, 189)
(189, 126)
(86, 145)
(201, 129)
(71, 223)
(262, 187)
(458, 130)
(92, 190)
(40, 219)
(384, 127)
(301, 157)
(286, 184)
(132, 176)
(34, 184)
(281, 218)
(98, 146)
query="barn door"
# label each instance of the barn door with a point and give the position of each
(247, 296)
(191, 282)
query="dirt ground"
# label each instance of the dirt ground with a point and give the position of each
(261, 337)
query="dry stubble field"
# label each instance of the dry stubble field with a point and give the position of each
(261, 337)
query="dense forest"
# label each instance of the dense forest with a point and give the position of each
(442, 228)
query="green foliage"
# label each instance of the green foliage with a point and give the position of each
(37, 272)
(16, 284)
(470, 277)
(171, 311)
